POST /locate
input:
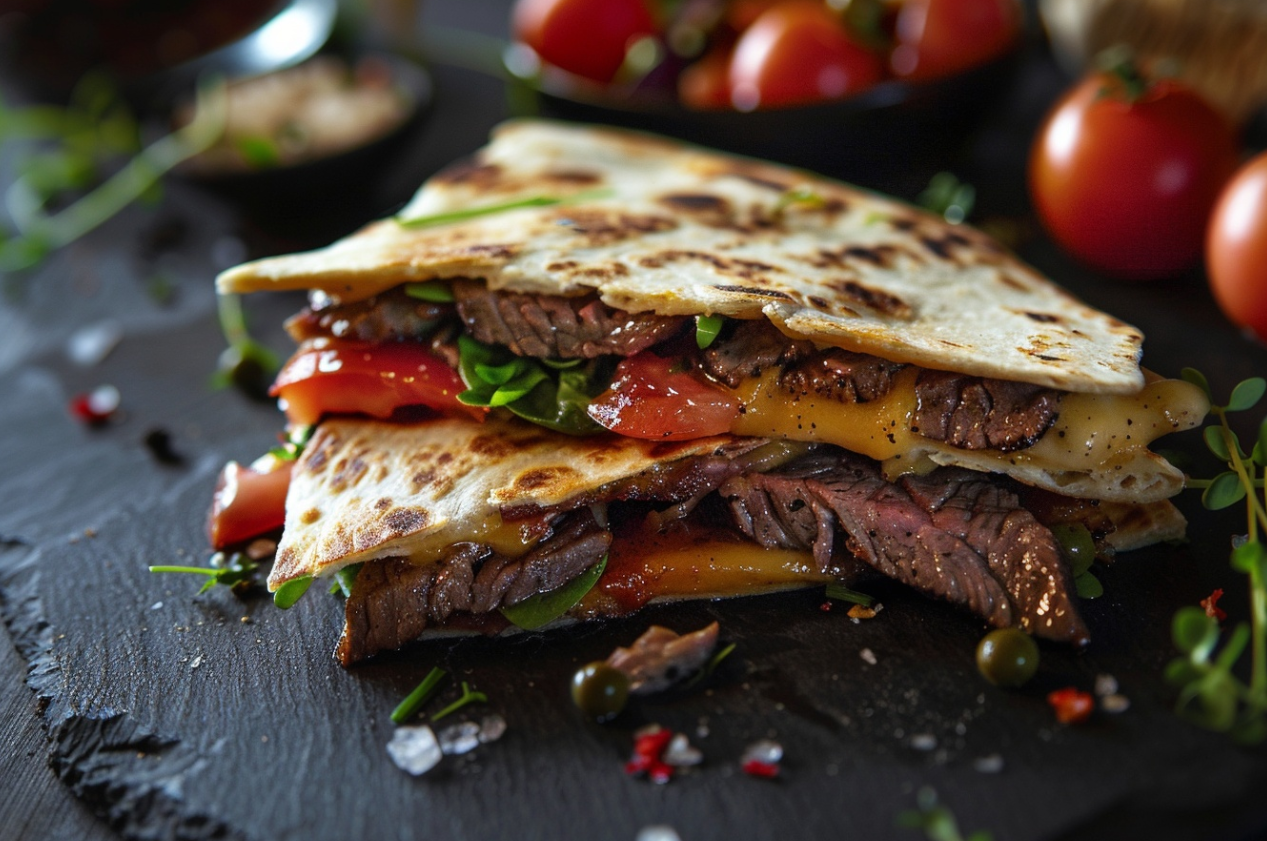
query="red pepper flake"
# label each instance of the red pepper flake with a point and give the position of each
(757, 768)
(1071, 705)
(825, 607)
(97, 406)
(649, 746)
(1211, 605)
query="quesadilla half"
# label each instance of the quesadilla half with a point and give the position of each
(587, 349)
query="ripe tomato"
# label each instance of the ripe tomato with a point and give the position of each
(1236, 247)
(937, 38)
(647, 399)
(247, 504)
(798, 52)
(1127, 186)
(354, 378)
(704, 84)
(585, 37)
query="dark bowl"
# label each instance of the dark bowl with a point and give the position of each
(342, 184)
(893, 136)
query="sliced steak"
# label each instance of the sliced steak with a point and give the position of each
(751, 348)
(556, 327)
(394, 601)
(953, 534)
(389, 317)
(973, 413)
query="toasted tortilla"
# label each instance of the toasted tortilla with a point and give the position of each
(656, 225)
(364, 490)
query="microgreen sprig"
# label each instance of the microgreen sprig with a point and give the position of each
(413, 702)
(469, 696)
(448, 217)
(235, 571)
(841, 593)
(948, 197)
(1211, 693)
(245, 363)
(74, 163)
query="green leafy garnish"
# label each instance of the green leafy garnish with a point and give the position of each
(1211, 692)
(469, 696)
(258, 152)
(948, 197)
(435, 293)
(543, 608)
(414, 700)
(805, 196)
(841, 593)
(236, 571)
(296, 439)
(84, 137)
(488, 210)
(286, 595)
(553, 394)
(937, 822)
(707, 328)
(245, 363)
(344, 579)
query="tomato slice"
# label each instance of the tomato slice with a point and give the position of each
(376, 380)
(247, 504)
(647, 399)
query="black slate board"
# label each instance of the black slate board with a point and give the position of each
(172, 715)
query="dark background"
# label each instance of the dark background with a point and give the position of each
(131, 708)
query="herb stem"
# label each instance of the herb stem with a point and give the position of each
(422, 692)
(469, 696)
(191, 570)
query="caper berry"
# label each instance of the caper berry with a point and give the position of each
(1007, 657)
(600, 690)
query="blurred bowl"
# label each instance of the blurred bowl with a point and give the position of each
(340, 182)
(892, 136)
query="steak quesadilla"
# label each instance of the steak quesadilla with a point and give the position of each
(588, 355)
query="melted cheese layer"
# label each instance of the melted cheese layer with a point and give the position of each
(1096, 448)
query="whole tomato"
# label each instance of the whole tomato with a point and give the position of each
(936, 38)
(798, 52)
(1236, 247)
(1123, 174)
(585, 37)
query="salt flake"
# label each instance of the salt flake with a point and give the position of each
(414, 749)
(492, 728)
(457, 739)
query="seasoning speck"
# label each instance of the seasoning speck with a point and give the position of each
(90, 345)
(924, 741)
(457, 739)
(868, 655)
(991, 764)
(658, 832)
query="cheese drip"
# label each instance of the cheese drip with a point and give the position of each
(1096, 448)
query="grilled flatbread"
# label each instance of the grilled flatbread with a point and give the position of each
(867, 318)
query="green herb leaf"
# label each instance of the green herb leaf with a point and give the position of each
(501, 374)
(707, 327)
(948, 197)
(710, 666)
(1225, 490)
(1192, 375)
(236, 571)
(1249, 558)
(544, 608)
(518, 204)
(433, 292)
(297, 438)
(286, 595)
(414, 700)
(345, 578)
(1247, 394)
(1213, 436)
(259, 152)
(469, 696)
(841, 593)
(1194, 633)
(1088, 586)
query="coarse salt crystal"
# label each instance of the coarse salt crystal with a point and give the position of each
(924, 741)
(766, 751)
(1105, 685)
(457, 739)
(415, 749)
(867, 655)
(991, 764)
(1115, 703)
(492, 728)
(658, 832)
(680, 752)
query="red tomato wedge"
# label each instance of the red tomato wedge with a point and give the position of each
(247, 504)
(364, 379)
(647, 399)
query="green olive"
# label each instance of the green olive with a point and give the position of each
(600, 690)
(1007, 657)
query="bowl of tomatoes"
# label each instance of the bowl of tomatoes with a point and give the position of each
(859, 89)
